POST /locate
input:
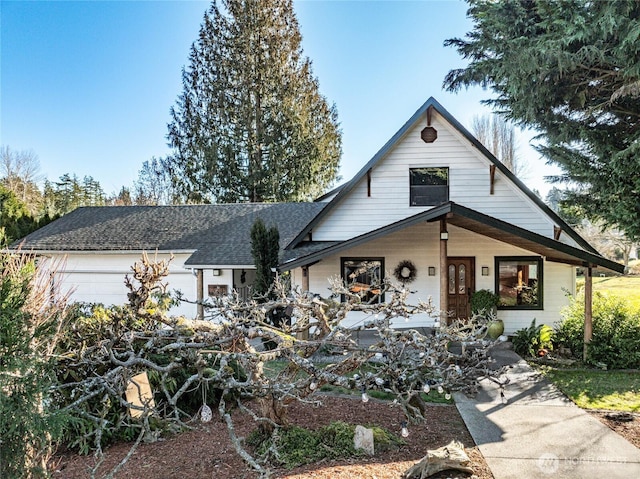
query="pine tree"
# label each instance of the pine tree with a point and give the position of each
(568, 69)
(250, 124)
(70, 193)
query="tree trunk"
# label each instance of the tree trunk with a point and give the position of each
(274, 411)
(451, 456)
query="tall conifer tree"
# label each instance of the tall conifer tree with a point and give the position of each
(250, 123)
(568, 69)
(264, 248)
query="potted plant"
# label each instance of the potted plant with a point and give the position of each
(485, 303)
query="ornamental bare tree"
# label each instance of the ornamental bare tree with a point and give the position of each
(19, 173)
(499, 137)
(223, 360)
(250, 124)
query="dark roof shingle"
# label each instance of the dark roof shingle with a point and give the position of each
(218, 234)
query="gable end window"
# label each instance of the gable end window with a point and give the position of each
(428, 186)
(519, 282)
(364, 276)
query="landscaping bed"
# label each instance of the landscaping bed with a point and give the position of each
(630, 430)
(207, 453)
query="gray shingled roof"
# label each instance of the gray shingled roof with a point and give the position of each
(218, 234)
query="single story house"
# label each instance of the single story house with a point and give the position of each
(433, 206)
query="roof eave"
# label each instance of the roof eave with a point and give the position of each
(51, 251)
(566, 253)
(433, 103)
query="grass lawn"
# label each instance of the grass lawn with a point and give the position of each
(592, 389)
(626, 287)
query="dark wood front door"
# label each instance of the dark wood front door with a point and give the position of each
(461, 284)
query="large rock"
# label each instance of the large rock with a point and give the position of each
(363, 440)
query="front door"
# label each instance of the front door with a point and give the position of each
(461, 284)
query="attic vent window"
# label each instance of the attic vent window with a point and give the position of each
(429, 134)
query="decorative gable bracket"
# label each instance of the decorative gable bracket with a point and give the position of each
(492, 178)
(429, 134)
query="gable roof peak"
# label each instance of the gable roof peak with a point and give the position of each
(448, 117)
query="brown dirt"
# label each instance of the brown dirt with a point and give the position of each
(207, 453)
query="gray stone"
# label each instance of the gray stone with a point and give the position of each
(363, 440)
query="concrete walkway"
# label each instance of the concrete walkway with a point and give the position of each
(536, 432)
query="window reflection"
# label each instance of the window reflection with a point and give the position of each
(520, 282)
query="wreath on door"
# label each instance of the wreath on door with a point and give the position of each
(406, 271)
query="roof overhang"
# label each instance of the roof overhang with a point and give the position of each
(476, 222)
(431, 104)
(219, 266)
(93, 252)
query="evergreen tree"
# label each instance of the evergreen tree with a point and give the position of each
(557, 200)
(70, 193)
(264, 249)
(250, 124)
(29, 327)
(91, 193)
(123, 198)
(49, 206)
(15, 220)
(570, 69)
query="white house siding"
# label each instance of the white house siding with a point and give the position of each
(420, 244)
(469, 185)
(559, 279)
(99, 278)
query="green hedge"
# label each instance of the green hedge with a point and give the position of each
(616, 332)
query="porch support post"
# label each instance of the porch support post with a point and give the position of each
(304, 334)
(200, 293)
(588, 310)
(444, 296)
(305, 278)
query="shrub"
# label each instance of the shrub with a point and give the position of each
(29, 322)
(528, 341)
(616, 332)
(484, 300)
(297, 446)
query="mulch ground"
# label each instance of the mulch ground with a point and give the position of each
(629, 429)
(207, 452)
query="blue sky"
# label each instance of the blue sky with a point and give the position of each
(87, 85)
